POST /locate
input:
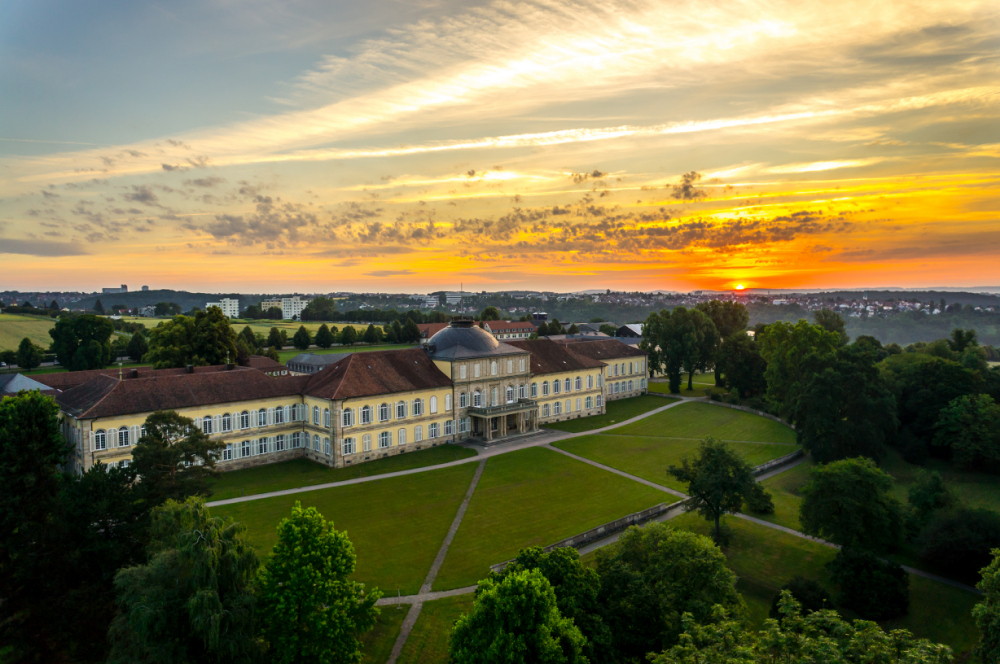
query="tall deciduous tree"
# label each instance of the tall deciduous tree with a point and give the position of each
(83, 342)
(785, 347)
(719, 480)
(490, 313)
(348, 336)
(741, 365)
(301, 340)
(516, 620)
(324, 337)
(193, 601)
(682, 339)
(924, 385)
(729, 317)
(987, 612)
(310, 610)
(248, 337)
(970, 426)
(274, 339)
(848, 503)
(205, 338)
(98, 307)
(137, 347)
(29, 355)
(372, 335)
(411, 332)
(174, 458)
(654, 575)
(831, 321)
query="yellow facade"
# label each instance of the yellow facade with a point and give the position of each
(552, 404)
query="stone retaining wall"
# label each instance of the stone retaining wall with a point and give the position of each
(752, 410)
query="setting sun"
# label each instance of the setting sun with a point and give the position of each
(739, 286)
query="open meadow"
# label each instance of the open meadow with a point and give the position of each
(14, 327)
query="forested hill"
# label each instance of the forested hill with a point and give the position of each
(185, 299)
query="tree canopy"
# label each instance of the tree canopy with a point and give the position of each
(682, 339)
(325, 337)
(205, 338)
(987, 612)
(741, 365)
(302, 340)
(786, 347)
(970, 426)
(82, 342)
(29, 355)
(174, 458)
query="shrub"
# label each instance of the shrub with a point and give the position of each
(958, 543)
(873, 588)
(716, 397)
(806, 592)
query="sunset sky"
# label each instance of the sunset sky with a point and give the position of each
(244, 145)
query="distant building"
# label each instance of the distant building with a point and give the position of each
(145, 288)
(452, 298)
(539, 316)
(230, 307)
(148, 311)
(291, 307)
(13, 383)
(504, 329)
(632, 330)
(121, 289)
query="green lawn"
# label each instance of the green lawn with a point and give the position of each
(972, 488)
(286, 355)
(698, 420)
(15, 327)
(765, 559)
(396, 524)
(303, 472)
(428, 642)
(648, 457)
(785, 489)
(616, 411)
(535, 497)
(377, 643)
(702, 382)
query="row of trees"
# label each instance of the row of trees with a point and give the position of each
(103, 567)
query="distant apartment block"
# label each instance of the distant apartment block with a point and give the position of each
(291, 307)
(145, 289)
(230, 307)
(121, 289)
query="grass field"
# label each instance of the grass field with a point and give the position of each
(377, 643)
(535, 497)
(616, 411)
(701, 383)
(766, 559)
(972, 488)
(262, 326)
(697, 420)
(785, 492)
(14, 327)
(396, 524)
(428, 642)
(303, 472)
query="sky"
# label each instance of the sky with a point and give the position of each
(414, 146)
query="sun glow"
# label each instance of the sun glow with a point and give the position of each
(739, 286)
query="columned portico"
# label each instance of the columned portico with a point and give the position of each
(494, 423)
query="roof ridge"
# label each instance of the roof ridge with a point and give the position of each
(347, 367)
(118, 382)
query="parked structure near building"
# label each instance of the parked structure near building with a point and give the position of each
(230, 307)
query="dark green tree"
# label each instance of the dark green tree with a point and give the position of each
(719, 480)
(274, 313)
(729, 318)
(99, 308)
(490, 313)
(371, 335)
(274, 339)
(137, 347)
(324, 336)
(873, 588)
(923, 386)
(411, 332)
(348, 336)
(848, 502)
(958, 543)
(301, 340)
(249, 338)
(82, 342)
(682, 339)
(29, 355)
(8, 357)
(809, 594)
(741, 365)
(651, 577)
(194, 600)
(397, 329)
(174, 458)
(987, 612)
(831, 321)
(609, 330)
(785, 347)
(960, 340)
(166, 309)
(928, 494)
(206, 338)
(970, 426)
(54, 306)
(543, 329)
(310, 610)
(516, 620)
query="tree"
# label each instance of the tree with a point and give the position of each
(542, 330)
(301, 339)
(821, 636)
(962, 339)
(573, 329)
(174, 458)
(348, 336)
(193, 601)
(490, 313)
(741, 365)
(397, 330)
(8, 357)
(958, 543)
(987, 612)
(119, 349)
(166, 309)
(844, 409)
(411, 333)
(924, 385)
(609, 330)
(873, 588)
(98, 307)
(831, 321)
(679, 339)
(247, 335)
(137, 347)
(577, 588)
(324, 337)
(310, 610)
(29, 355)
(785, 347)
(54, 306)
(372, 335)
(516, 620)
(970, 426)
(31, 451)
(848, 503)
(274, 339)
(653, 575)
(274, 313)
(729, 317)
(718, 480)
(809, 594)
(206, 338)
(929, 493)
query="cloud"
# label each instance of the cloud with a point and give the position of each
(205, 182)
(388, 273)
(141, 194)
(579, 178)
(41, 248)
(686, 190)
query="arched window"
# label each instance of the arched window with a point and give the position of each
(556, 386)
(100, 440)
(384, 439)
(463, 400)
(366, 414)
(123, 437)
(566, 385)
(578, 383)
(401, 437)
(326, 417)
(316, 416)
(418, 433)
(433, 405)
(477, 399)
(494, 397)
(545, 388)
(279, 415)
(383, 412)
(227, 422)
(245, 420)
(510, 394)
(315, 443)
(521, 391)
(262, 417)
(476, 369)
(418, 407)
(534, 390)
(206, 425)
(493, 368)
(401, 410)
(347, 417)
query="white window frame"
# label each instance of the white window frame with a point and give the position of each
(316, 415)
(434, 430)
(383, 412)
(477, 369)
(462, 372)
(326, 418)
(245, 449)
(206, 425)
(100, 440)
(418, 433)
(401, 437)
(401, 410)
(244, 420)
(509, 393)
(384, 440)
(418, 407)
(447, 402)
(449, 427)
(493, 368)
(347, 446)
(227, 423)
(227, 454)
(367, 442)
(123, 437)
(433, 405)
(347, 417)
(366, 414)
(477, 399)
(556, 386)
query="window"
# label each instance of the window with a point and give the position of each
(418, 433)
(630, 386)
(556, 386)
(433, 431)
(123, 437)
(279, 442)
(494, 397)
(206, 425)
(383, 412)
(244, 420)
(477, 399)
(316, 415)
(366, 415)
(100, 440)
(493, 368)
(545, 388)
(367, 442)
(462, 372)
(279, 415)
(510, 366)
(545, 410)
(463, 425)
(590, 382)
(447, 401)
(557, 408)
(578, 404)
(630, 367)
(418, 406)
(315, 443)
(534, 390)
(227, 423)
(326, 418)
(643, 383)
(347, 446)
(449, 427)
(124, 463)
(600, 380)
(566, 385)
(616, 369)
(245, 448)
(589, 402)
(326, 446)
(433, 405)
(521, 364)
(401, 437)
(347, 417)
(384, 439)
(262, 417)
(463, 400)
(401, 410)
(227, 454)
(476, 370)
(510, 394)
(598, 400)
(521, 389)
(578, 383)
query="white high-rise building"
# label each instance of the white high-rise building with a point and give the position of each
(230, 307)
(291, 307)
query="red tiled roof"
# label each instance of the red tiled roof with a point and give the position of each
(377, 372)
(70, 379)
(511, 326)
(608, 349)
(549, 357)
(428, 330)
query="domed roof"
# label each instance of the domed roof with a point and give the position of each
(464, 338)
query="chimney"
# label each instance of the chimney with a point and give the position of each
(230, 367)
(134, 373)
(189, 368)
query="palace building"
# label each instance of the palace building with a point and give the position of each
(463, 385)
